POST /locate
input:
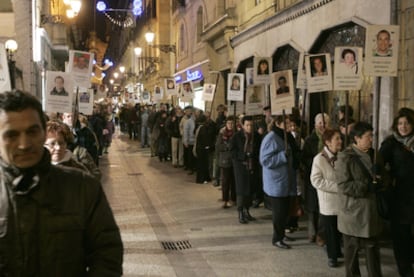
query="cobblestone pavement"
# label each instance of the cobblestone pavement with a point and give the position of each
(158, 206)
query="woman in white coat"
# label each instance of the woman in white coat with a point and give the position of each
(323, 179)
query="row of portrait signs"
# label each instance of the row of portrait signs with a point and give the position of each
(66, 89)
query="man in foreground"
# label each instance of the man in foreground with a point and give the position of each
(54, 221)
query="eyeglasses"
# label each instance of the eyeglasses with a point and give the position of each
(53, 144)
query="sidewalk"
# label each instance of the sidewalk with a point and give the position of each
(159, 207)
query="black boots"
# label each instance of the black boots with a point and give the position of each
(245, 216)
(242, 218)
(248, 216)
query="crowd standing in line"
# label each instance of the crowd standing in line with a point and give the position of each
(255, 160)
(269, 160)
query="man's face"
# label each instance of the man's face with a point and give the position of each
(67, 119)
(59, 83)
(364, 143)
(282, 83)
(248, 126)
(383, 42)
(82, 63)
(21, 138)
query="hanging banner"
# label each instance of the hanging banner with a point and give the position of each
(59, 92)
(263, 69)
(282, 96)
(348, 68)
(208, 92)
(318, 72)
(85, 100)
(381, 50)
(170, 87)
(4, 70)
(255, 99)
(301, 78)
(186, 92)
(80, 65)
(235, 86)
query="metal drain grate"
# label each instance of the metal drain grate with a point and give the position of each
(134, 173)
(176, 245)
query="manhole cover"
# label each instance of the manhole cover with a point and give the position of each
(176, 245)
(134, 173)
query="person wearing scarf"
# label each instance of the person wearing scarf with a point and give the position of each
(245, 146)
(54, 221)
(279, 166)
(397, 151)
(323, 179)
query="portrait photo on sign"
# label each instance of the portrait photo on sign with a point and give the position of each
(254, 99)
(84, 97)
(347, 68)
(318, 72)
(262, 69)
(86, 101)
(208, 92)
(59, 91)
(282, 91)
(381, 50)
(250, 76)
(301, 77)
(235, 86)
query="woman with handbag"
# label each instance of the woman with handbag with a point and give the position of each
(224, 153)
(398, 153)
(323, 179)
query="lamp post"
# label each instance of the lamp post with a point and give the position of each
(11, 47)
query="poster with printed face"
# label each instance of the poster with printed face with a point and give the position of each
(282, 96)
(208, 92)
(318, 72)
(381, 50)
(262, 70)
(301, 78)
(59, 92)
(255, 99)
(85, 101)
(5, 84)
(235, 87)
(100, 93)
(348, 68)
(250, 76)
(170, 87)
(186, 92)
(158, 94)
(145, 95)
(80, 65)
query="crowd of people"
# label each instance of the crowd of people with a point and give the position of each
(333, 173)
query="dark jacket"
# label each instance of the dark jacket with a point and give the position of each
(68, 230)
(401, 165)
(173, 127)
(245, 178)
(310, 150)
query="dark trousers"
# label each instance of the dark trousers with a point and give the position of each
(352, 245)
(203, 173)
(332, 235)
(191, 160)
(228, 186)
(280, 213)
(403, 242)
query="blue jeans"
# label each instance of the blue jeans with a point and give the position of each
(145, 136)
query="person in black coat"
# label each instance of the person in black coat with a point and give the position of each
(397, 151)
(202, 149)
(312, 146)
(245, 147)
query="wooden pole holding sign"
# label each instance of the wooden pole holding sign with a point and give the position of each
(322, 109)
(346, 117)
(215, 89)
(75, 109)
(376, 123)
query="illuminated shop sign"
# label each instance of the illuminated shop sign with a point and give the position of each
(194, 75)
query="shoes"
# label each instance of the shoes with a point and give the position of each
(242, 218)
(226, 205)
(281, 244)
(286, 238)
(248, 216)
(216, 184)
(312, 239)
(320, 241)
(256, 203)
(332, 263)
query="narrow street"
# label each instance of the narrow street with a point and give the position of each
(158, 208)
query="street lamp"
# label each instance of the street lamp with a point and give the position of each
(11, 47)
(149, 36)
